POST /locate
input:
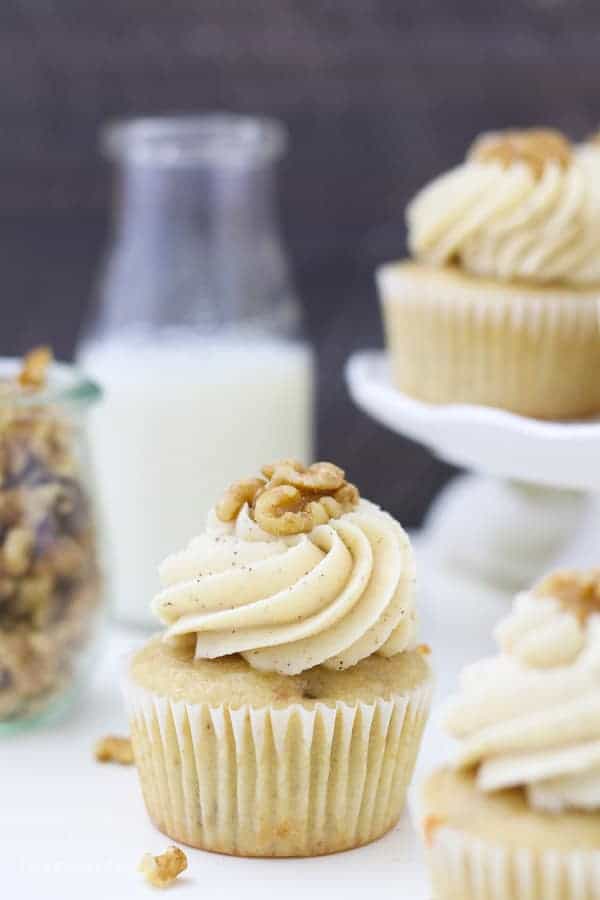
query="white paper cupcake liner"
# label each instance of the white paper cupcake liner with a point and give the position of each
(464, 867)
(297, 781)
(457, 339)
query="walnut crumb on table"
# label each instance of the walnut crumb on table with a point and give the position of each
(430, 826)
(114, 749)
(162, 870)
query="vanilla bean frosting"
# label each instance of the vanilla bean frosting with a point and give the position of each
(530, 716)
(523, 206)
(286, 603)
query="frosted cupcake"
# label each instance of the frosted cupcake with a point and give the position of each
(281, 712)
(500, 305)
(518, 816)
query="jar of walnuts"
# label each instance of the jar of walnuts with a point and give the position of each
(50, 585)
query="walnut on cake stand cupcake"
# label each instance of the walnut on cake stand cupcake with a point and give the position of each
(493, 358)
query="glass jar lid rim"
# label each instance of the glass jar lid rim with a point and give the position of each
(68, 385)
(189, 138)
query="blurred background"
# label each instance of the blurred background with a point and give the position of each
(378, 96)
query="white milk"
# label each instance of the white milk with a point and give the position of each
(178, 423)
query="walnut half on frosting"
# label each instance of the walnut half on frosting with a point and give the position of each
(291, 498)
(535, 147)
(577, 592)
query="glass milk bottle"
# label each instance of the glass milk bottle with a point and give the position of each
(196, 336)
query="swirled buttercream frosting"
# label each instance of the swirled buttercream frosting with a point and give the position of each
(525, 205)
(530, 716)
(329, 586)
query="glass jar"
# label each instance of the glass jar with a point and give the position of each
(196, 336)
(50, 584)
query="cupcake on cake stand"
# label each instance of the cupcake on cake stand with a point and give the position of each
(525, 507)
(492, 328)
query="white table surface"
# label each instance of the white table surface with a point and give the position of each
(72, 828)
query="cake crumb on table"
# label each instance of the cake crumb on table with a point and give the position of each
(162, 870)
(114, 749)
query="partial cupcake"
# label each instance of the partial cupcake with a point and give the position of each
(280, 714)
(500, 305)
(518, 815)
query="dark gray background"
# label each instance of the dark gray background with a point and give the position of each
(378, 96)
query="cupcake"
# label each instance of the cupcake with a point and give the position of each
(517, 817)
(500, 304)
(281, 711)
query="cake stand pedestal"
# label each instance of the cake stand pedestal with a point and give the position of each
(494, 532)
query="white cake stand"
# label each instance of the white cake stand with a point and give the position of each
(489, 534)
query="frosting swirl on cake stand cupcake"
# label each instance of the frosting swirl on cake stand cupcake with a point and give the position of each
(524, 206)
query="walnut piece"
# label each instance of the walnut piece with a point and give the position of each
(236, 495)
(280, 510)
(16, 551)
(114, 749)
(536, 147)
(34, 368)
(294, 500)
(577, 592)
(430, 825)
(268, 470)
(317, 478)
(162, 870)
